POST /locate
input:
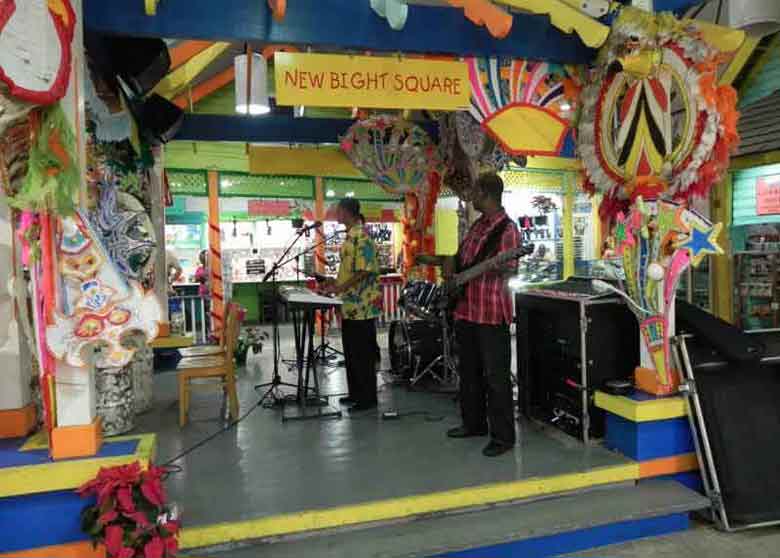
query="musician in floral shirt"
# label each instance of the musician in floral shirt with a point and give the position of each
(357, 285)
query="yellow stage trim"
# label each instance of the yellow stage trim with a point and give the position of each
(565, 18)
(173, 83)
(302, 161)
(172, 342)
(642, 411)
(68, 474)
(398, 508)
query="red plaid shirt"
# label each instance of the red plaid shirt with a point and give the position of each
(487, 299)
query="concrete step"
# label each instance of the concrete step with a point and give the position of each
(533, 529)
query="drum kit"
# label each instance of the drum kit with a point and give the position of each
(421, 343)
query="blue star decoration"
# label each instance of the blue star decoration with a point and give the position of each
(701, 242)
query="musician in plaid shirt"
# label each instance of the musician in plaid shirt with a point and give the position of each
(482, 318)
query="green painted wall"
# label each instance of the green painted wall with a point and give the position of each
(744, 196)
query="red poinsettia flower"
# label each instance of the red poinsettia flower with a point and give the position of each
(172, 527)
(126, 552)
(153, 491)
(154, 548)
(124, 497)
(171, 546)
(108, 517)
(139, 517)
(114, 539)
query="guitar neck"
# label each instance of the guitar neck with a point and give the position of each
(481, 268)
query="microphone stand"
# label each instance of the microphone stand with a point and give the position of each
(273, 387)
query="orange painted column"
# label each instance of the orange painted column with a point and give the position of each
(215, 257)
(323, 318)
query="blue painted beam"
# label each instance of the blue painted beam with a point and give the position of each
(272, 128)
(348, 24)
(676, 6)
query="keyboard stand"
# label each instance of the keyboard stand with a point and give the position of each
(310, 404)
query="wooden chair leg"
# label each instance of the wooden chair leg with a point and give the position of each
(183, 400)
(230, 385)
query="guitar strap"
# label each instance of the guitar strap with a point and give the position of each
(489, 247)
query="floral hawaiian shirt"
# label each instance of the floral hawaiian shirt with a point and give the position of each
(362, 301)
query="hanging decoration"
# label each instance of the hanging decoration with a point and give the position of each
(400, 157)
(52, 176)
(35, 48)
(525, 106)
(107, 125)
(467, 151)
(394, 11)
(125, 231)
(654, 119)
(485, 13)
(15, 134)
(98, 308)
(658, 241)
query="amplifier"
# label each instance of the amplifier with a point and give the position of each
(566, 349)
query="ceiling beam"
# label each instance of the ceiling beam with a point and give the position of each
(185, 50)
(336, 23)
(206, 88)
(172, 84)
(272, 128)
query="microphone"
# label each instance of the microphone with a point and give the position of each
(314, 225)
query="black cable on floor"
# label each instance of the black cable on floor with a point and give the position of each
(207, 439)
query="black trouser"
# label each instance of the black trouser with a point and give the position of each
(484, 353)
(359, 340)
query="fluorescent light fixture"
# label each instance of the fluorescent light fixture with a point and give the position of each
(258, 90)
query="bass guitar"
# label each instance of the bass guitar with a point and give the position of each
(453, 289)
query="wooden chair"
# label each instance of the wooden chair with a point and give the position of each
(218, 367)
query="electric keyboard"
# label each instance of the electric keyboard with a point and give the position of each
(304, 297)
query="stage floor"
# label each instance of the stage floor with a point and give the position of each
(264, 468)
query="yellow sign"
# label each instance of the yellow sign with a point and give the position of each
(326, 80)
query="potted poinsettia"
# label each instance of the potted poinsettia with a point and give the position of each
(131, 516)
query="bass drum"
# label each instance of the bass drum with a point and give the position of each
(413, 345)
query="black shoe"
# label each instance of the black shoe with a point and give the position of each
(347, 400)
(463, 432)
(494, 449)
(363, 406)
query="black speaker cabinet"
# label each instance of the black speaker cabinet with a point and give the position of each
(567, 347)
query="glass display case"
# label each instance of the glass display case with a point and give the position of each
(694, 286)
(757, 289)
(539, 216)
